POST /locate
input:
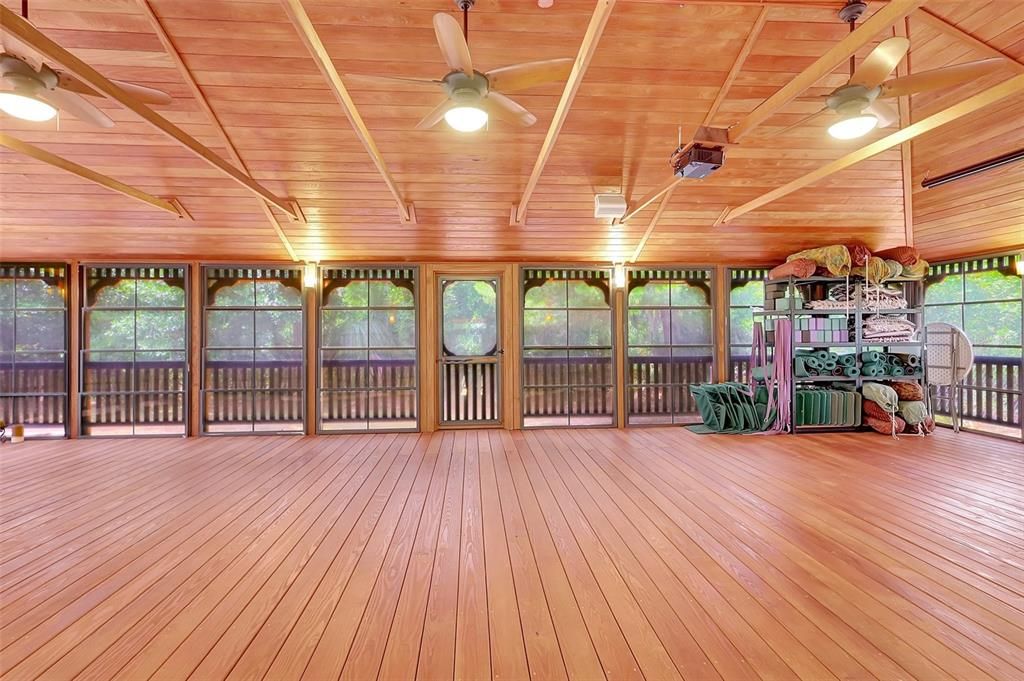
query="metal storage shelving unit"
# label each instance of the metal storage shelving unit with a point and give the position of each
(913, 291)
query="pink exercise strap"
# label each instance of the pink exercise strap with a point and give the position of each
(780, 381)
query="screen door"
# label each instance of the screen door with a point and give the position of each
(470, 351)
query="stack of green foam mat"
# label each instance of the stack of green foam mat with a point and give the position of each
(809, 363)
(885, 364)
(730, 408)
(828, 407)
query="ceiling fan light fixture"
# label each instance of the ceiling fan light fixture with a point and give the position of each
(466, 118)
(852, 127)
(26, 107)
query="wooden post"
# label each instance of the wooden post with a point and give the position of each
(619, 363)
(311, 294)
(720, 305)
(74, 317)
(196, 290)
(427, 315)
(509, 313)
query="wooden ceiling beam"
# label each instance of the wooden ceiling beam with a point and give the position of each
(81, 171)
(723, 90)
(311, 39)
(598, 21)
(933, 20)
(654, 223)
(204, 105)
(948, 115)
(21, 29)
(824, 65)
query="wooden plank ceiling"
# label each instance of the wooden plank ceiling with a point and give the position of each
(658, 66)
(984, 213)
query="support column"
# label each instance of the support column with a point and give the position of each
(619, 321)
(196, 294)
(720, 293)
(312, 317)
(74, 317)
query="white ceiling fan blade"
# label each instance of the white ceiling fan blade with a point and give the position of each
(13, 45)
(452, 43)
(530, 74)
(77, 106)
(146, 95)
(877, 66)
(375, 79)
(936, 79)
(507, 109)
(436, 114)
(884, 112)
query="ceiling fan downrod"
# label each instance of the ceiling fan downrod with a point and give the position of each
(465, 5)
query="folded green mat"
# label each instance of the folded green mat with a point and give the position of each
(728, 408)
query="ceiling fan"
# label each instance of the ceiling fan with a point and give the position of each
(35, 92)
(858, 102)
(471, 96)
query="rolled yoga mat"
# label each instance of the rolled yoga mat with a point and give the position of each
(833, 357)
(829, 366)
(897, 371)
(873, 369)
(851, 372)
(908, 359)
(838, 371)
(822, 355)
(871, 357)
(847, 360)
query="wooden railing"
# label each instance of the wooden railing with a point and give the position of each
(42, 387)
(991, 393)
(577, 386)
(107, 397)
(659, 385)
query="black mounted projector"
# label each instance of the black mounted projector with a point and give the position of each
(697, 161)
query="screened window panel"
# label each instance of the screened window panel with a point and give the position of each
(368, 377)
(568, 367)
(669, 333)
(253, 356)
(746, 291)
(33, 348)
(134, 373)
(982, 296)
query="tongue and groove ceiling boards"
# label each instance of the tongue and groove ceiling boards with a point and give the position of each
(983, 213)
(655, 74)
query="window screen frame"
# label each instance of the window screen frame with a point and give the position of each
(962, 267)
(730, 369)
(320, 308)
(204, 348)
(83, 350)
(606, 272)
(675, 417)
(65, 275)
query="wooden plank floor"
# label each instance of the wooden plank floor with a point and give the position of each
(645, 553)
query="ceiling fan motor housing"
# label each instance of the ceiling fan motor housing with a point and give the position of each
(23, 78)
(850, 100)
(464, 89)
